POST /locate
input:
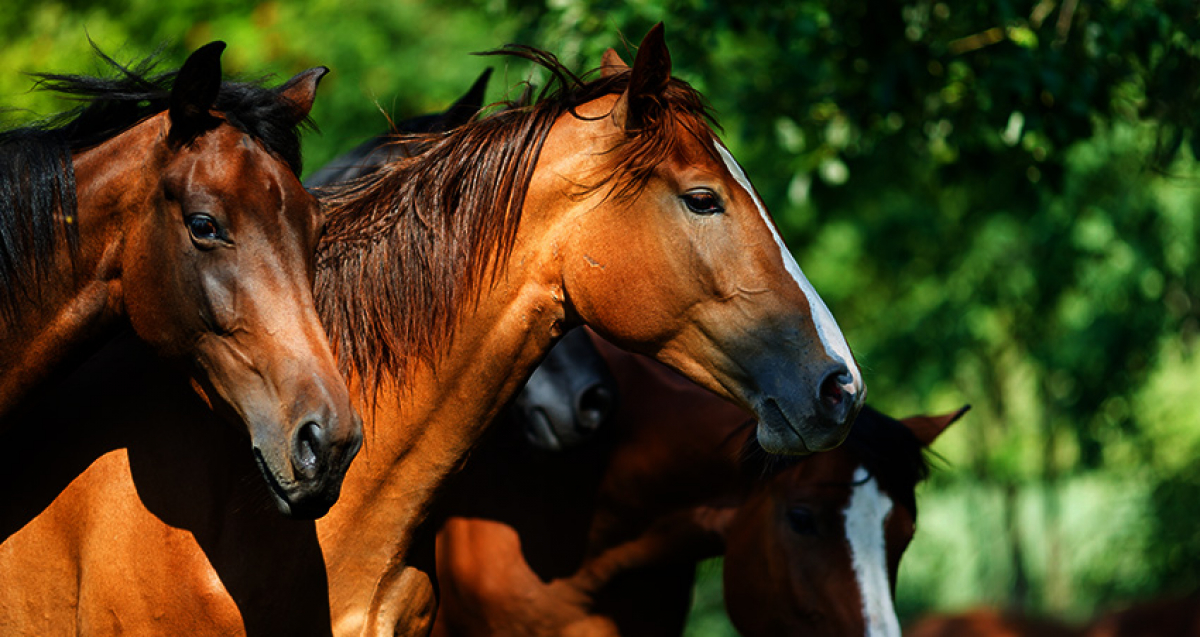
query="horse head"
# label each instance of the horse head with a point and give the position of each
(815, 548)
(217, 264)
(667, 250)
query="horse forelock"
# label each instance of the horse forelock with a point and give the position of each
(409, 246)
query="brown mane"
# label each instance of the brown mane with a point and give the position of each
(408, 247)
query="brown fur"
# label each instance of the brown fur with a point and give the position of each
(409, 245)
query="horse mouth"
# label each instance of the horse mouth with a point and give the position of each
(772, 418)
(278, 494)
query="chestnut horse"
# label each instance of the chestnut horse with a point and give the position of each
(603, 538)
(442, 280)
(171, 204)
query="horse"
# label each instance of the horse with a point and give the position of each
(571, 392)
(603, 538)
(1177, 616)
(170, 205)
(989, 622)
(442, 280)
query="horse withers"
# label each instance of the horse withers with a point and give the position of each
(171, 204)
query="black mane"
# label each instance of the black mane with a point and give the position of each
(37, 178)
(888, 450)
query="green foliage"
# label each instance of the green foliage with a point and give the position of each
(997, 199)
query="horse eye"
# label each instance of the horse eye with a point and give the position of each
(702, 202)
(802, 520)
(204, 227)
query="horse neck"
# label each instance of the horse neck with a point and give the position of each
(79, 302)
(418, 429)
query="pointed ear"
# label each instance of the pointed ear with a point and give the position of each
(928, 428)
(468, 105)
(611, 64)
(301, 91)
(647, 81)
(195, 91)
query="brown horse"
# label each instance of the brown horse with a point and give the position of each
(171, 204)
(988, 622)
(603, 539)
(1167, 617)
(443, 279)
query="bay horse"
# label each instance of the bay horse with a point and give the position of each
(442, 280)
(170, 205)
(603, 538)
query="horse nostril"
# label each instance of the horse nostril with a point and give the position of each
(310, 440)
(830, 392)
(594, 405)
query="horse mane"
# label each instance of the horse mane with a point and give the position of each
(887, 449)
(410, 245)
(37, 176)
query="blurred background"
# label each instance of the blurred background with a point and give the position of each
(998, 200)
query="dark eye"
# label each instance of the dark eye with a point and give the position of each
(204, 227)
(802, 520)
(702, 202)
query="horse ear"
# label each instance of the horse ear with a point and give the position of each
(647, 81)
(301, 91)
(469, 104)
(195, 90)
(928, 428)
(612, 64)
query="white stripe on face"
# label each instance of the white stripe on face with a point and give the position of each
(827, 328)
(865, 515)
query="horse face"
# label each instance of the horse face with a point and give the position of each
(692, 270)
(815, 552)
(815, 549)
(220, 277)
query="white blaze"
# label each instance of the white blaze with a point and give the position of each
(827, 328)
(865, 515)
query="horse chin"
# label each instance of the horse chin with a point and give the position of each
(776, 434)
(780, 432)
(309, 507)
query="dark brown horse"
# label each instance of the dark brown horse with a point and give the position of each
(443, 280)
(989, 622)
(170, 204)
(1167, 617)
(603, 538)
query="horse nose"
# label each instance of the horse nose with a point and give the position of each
(836, 398)
(321, 450)
(310, 449)
(594, 405)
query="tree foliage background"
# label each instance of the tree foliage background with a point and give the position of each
(997, 199)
